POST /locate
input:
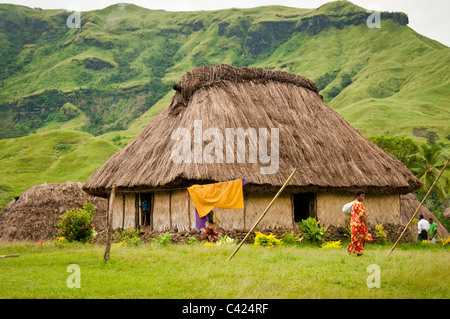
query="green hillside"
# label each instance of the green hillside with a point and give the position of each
(50, 157)
(103, 83)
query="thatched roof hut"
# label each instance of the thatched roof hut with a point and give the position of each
(332, 156)
(329, 152)
(34, 214)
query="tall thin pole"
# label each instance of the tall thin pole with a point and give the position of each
(418, 208)
(109, 223)
(263, 214)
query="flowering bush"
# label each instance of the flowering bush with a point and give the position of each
(266, 240)
(381, 235)
(129, 237)
(331, 244)
(444, 241)
(225, 240)
(77, 224)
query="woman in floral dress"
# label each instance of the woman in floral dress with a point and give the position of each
(360, 228)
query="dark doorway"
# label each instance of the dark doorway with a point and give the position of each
(303, 206)
(147, 205)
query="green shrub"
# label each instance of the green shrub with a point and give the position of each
(291, 239)
(266, 240)
(192, 240)
(225, 240)
(77, 224)
(129, 237)
(311, 230)
(380, 234)
(163, 239)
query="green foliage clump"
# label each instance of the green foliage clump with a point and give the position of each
(192, 240)
(78, 224)
(129, 237)
(266, 240)
(380, 234)
(225, 240)
(326, 79)
(311, 230)
(210, 234)
(405, 149)
(291, 239)
(163, 239)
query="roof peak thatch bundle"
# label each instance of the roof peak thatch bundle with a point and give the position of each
(331, 155)
(207, 75)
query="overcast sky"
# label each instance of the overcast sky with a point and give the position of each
(427, 17)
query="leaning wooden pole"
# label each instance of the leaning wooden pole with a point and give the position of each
(109, 223)
(418, 208)
(263, 214)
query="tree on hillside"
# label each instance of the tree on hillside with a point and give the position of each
(429, 162)
(405, 149)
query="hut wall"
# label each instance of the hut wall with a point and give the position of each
(130, 211)
(229, 218)
(180, 210)
(161, 212)
(225, 218)
(117, 213)
(280, 214)
(380, 209)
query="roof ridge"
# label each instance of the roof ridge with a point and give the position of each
(207, 75)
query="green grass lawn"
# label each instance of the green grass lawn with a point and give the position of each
(203, 272)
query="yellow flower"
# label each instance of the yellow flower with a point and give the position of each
(118, 244)
(208, 244)
(331, 244)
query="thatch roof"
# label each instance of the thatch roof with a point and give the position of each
(34, 215)
(409, 205)
(447, 213)
(329, 152)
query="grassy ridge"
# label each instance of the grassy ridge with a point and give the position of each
(54, 156)
(117, 71)
(182, 271)
(141, 53)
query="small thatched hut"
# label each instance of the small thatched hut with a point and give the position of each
(447, 213)
(409, 205)
(333, 158)
(34, 214)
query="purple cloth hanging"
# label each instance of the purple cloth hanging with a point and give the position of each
(201, 222)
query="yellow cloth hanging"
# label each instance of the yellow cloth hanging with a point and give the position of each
(222, 195)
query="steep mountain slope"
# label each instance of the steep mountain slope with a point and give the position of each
(125, 58)
(105, 81)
